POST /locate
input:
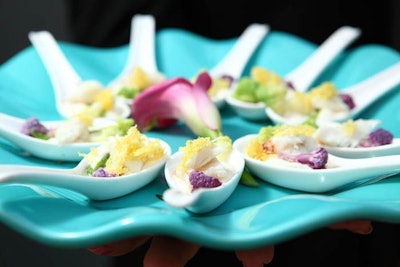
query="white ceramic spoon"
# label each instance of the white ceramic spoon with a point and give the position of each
(95, 188)
(366, 152)
(347, 171)
(363, 93)
(65, 79)
(237, 58)
(62, 75)
(11, 130)
(201, 200)
(141, 51)
(303, 75)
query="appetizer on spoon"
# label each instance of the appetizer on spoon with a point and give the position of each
(331, 104)
(357, 139)
(112, 170)
(203, 174)
(74, 95)
(59, 140)
(231, 67)
(250, 105)
(290, 157)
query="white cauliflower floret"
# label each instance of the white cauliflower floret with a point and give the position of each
(85, 92)
(71, 131)
(294, 144)
(348, 134)
(331, 110)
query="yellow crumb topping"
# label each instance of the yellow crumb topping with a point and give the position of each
(293, 130)
(265, 76)
(134, 146)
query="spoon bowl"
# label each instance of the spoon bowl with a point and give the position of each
(65, 80)
(303, 75)
(363, 94)
(247, 110)
(233, 64)
(141, 51)
(201, 200)
(366, 152)
(75, 179)
(11, 130)
(340, 172)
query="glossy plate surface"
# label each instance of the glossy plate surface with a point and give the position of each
(251, 217)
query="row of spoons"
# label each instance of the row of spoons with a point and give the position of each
(364, 94)
(142, 53)
(11, 130)
(346, 172)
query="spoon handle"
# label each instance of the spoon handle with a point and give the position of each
(369, 90)
(62, 75)
(236, 60)
(391, 162)
(304, 75)
(141, 51)
(10, 173)
(178, 199)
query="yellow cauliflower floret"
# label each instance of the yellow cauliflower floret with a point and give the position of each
(325, 91)
(299, 102)
(265, 76)
(106, 99)
(349, 128)
(139, 79)
(217, 86)
(85, 117)
(134, 146)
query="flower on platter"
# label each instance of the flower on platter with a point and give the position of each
(165, 103)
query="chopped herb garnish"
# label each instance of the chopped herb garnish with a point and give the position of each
(40, 135)
(247, 179)
(128, 92)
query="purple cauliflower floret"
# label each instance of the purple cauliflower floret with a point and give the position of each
(316, 159)
(101, 172)
(200, 180)
(348, 100)
(379, 137)
(32, 125)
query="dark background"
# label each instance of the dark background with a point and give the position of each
(106, 23)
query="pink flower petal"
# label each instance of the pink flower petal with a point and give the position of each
(177, 99)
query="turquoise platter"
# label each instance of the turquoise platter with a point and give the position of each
(252, 217)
